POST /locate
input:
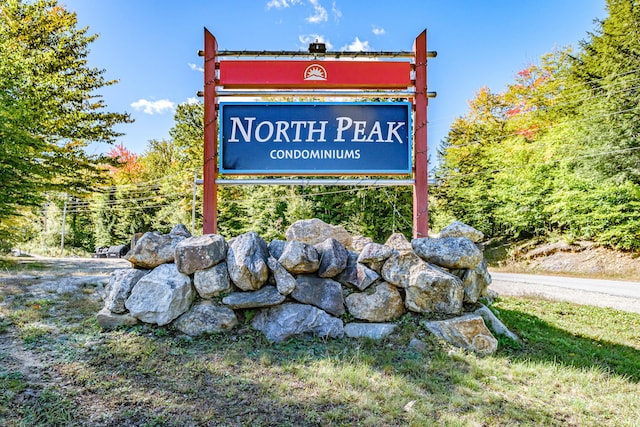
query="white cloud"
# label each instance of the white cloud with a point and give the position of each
(281, 4)
(195, 67)
(320, 13)
(305, 39)
(357, 46)
(337, 13)
(153, 107)
(193, 101)
(377, 31)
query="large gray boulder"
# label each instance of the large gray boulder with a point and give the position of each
(382, 305)
(460, 229)
(119, 288)
(299, 258)
(432, 290)
(247, 261)
(283, 321)
(213, 281)
(161, 296)
(199, 253)
(285, 282)
(468, 332)
(475, 281)
(314, 231)
(374, 253)
(154, 249)
(206, 318)
(333, 257)
(397, 269)
(357, 275)
(266, 296)
(320, 292)
(448, 252)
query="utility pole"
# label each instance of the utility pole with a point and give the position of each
(64, 224)
(44, 225)
(193, 203)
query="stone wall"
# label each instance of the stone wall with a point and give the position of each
(308, 284)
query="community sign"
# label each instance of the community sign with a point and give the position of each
(324, 138)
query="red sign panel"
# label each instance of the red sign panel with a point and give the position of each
(315, 74)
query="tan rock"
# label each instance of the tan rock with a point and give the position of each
(468, 332)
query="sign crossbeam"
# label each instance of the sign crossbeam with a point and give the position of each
(302, 54)
(316, 182)
(317, 92)
(300, 133)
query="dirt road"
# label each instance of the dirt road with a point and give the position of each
(621, 295)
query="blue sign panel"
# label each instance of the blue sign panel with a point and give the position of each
(315, 138)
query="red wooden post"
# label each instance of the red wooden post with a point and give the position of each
(420, 188)
(210, 190)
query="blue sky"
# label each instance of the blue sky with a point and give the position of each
(151, 46)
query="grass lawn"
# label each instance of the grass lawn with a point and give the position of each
(577, 366)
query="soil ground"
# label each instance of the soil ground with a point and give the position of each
(579, 259)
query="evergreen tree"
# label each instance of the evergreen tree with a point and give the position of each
(607, 72)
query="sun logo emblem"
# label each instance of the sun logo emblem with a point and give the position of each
(315, 72)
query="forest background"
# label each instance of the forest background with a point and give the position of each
(556, 155)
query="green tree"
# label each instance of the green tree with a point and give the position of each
(49, 108)
(606, 77)
(466, 162)
(499, 162)
(188, 134)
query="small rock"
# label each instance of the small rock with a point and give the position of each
(460, 229)
(108, 320)
(276, 247)
(375, 331)
(267, 296)
(397, 269)
(213, 281)
(299, 258)
(333, 257)
(284, 281)
(357, 275)
(417, 344)
(206, 318)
